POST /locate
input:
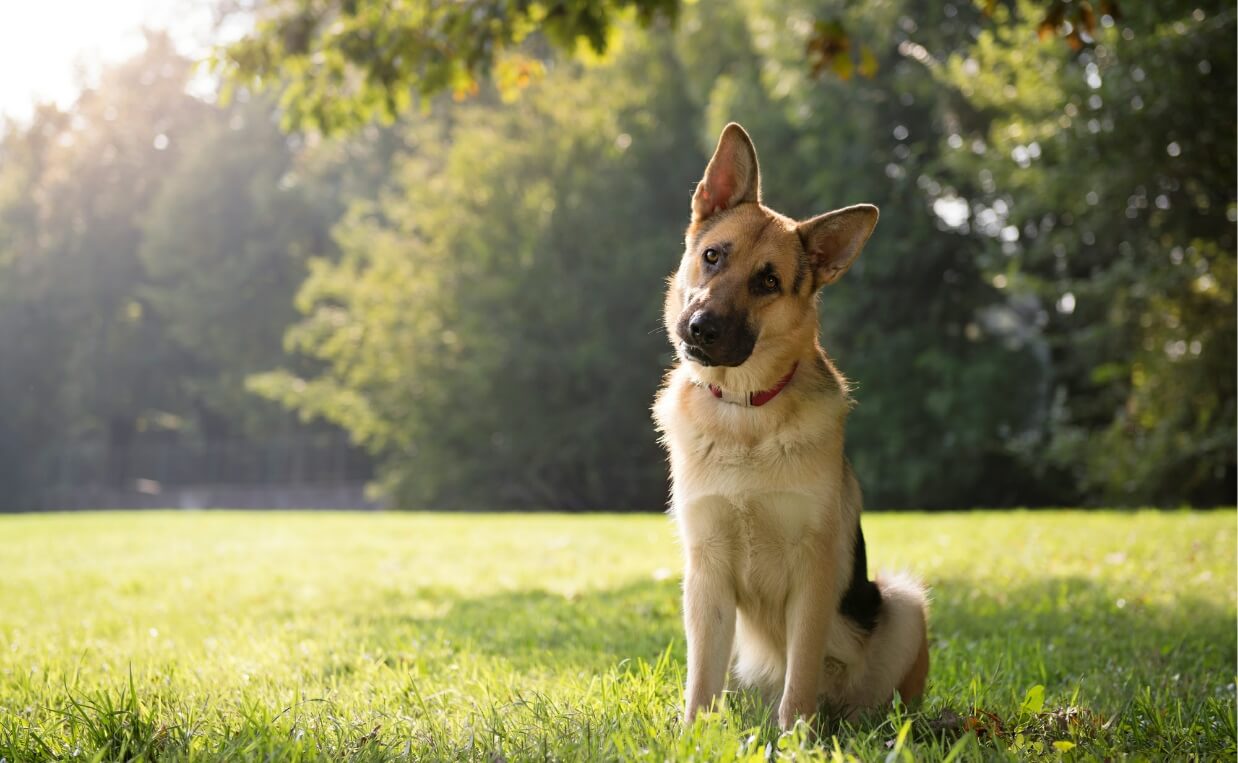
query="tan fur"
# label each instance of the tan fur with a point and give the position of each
(765, 502)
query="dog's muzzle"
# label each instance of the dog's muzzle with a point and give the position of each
(712, 339)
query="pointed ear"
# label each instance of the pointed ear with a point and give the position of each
(731, 178)
(833, 240)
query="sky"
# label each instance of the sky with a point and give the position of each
(49, 47)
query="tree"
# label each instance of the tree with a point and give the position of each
(1045, 314)
(89, 349)
(342, 63)
(1104, 183)
(224, 248)
(150, 245)
(492, 327)
(469, 333)
(33, 337)
(938, 395)
(339, 64)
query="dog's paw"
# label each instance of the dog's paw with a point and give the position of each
(791, 712)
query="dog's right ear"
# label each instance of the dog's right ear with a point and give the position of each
(833, 240)
(731, 178)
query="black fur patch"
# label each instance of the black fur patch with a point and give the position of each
(801, 271)
(862, 600)
(756, 284)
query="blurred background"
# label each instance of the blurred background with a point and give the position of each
(363, 253)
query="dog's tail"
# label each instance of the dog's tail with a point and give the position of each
(897, 652)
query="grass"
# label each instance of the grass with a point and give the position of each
(290, 636)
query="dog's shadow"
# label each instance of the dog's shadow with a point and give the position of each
(537, 630)
(1059, 632)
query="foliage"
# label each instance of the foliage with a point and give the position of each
(223, 249)
(339, 64)
(357, 637)
(1044, 316)
(150, 245)
(1104, 184)
(80, 346)
(342, 63)
(934, 390)
(453, 268)
(494, 319)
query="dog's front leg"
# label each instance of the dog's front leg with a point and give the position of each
(808, 622)
(709, 620)
(707, 529)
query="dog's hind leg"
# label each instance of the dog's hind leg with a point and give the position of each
(896, 654)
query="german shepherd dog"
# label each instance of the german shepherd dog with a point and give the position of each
(768, 510)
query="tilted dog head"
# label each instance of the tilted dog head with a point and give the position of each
(745, 291)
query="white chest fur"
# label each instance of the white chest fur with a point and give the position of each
(793, 445)
(762, 499)
(751, 486)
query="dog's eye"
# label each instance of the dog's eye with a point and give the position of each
(770, 282)
(711, 256)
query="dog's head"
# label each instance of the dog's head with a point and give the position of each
(745, 291)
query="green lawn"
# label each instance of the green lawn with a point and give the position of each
(297, 636)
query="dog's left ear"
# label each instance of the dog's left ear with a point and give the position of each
(732, 177)
(833, 240)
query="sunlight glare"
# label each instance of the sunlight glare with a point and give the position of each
(48, 49)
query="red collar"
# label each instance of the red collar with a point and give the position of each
(755, 399)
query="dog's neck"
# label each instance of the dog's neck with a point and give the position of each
(754, 399)
(758, 375)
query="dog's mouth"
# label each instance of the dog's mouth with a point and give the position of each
(702, 357)
(696, 354)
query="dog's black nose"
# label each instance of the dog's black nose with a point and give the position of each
(704, 327)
